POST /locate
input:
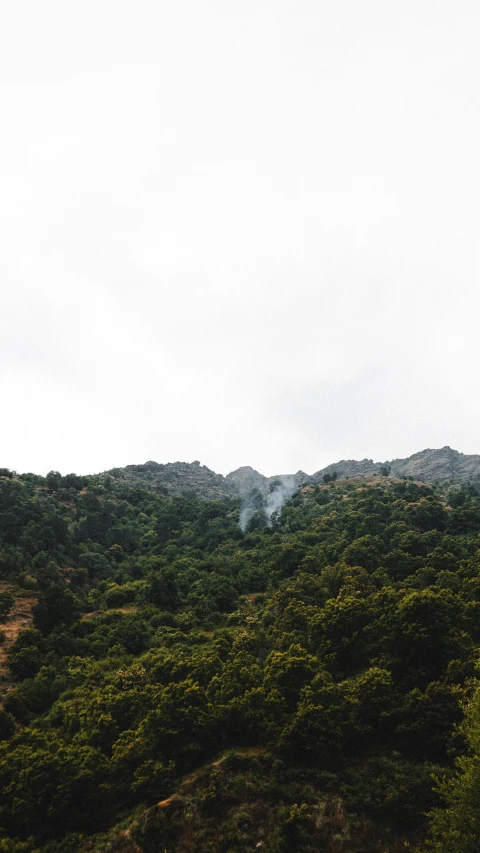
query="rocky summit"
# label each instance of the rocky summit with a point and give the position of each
(195, 480)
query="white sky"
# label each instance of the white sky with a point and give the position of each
(240, 232)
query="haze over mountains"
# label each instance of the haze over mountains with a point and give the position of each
(192, 478)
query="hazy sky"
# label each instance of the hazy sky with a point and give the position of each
(239, 232)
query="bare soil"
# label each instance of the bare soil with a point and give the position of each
(19, 619)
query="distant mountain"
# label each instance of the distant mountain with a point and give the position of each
(430, 466)
(193, 479)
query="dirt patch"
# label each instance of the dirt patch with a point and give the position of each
(163, 804)
(188, 781)
(19, 619)
(90, 615)
(87, 616)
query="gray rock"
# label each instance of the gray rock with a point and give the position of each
(196, 480)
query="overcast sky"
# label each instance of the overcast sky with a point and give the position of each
(239, 232)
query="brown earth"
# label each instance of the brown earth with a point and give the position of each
(246, 752)
(87, 616)
(19, 619)
(124, 841)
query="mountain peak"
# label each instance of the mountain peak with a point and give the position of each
(192, 478)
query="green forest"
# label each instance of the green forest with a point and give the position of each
(170, 683)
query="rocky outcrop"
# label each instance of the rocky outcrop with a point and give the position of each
(245, 479)
(438, 465)
(349, 468)
(430, 466)
(194, 479)
(176, 478)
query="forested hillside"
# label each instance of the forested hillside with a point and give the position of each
(171, 683)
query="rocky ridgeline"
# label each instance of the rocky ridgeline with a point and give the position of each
(243, 480)
(430, 466)
(176, 478)
(194, 479)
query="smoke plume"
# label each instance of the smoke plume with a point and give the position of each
(281, 490)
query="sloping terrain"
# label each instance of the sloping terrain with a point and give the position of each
(176, 478)
(19, 618)
(190, 687)
(196, 480)
(429, 466)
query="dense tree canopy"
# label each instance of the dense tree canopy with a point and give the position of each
(298, 685)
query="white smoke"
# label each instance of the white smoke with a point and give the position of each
(280, 494)
(281, 491)
(246, 513)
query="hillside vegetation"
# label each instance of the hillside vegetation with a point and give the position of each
(183, 686)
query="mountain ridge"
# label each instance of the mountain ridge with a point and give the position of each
(193, 479)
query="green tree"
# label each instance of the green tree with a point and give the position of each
(6, 603)
(455, 827)
(56, 606)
